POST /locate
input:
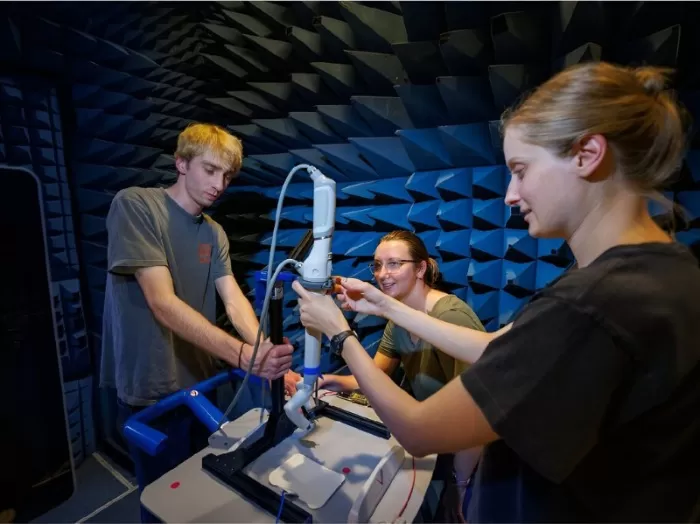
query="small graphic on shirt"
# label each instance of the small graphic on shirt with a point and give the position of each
(204, 253)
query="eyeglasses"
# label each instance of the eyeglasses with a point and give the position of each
(392, 266)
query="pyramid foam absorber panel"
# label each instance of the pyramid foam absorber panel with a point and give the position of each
(519, 245)
(469, 144)
(395, 216)
(392, 188)
(489, 214)
(489, 182)
(488, 274)
(356, 216)
(430, 239)
(690, 200)
(386, 154)
(522, 276)
(454, 184)
(456, 214)
(454, 244)
(692, 161)
(424, 214)
(425, 148)
(455, 271)
(553, 250)
(487, 244)
(509, 306)
(364, 244)
(485, 305)
(422, 185)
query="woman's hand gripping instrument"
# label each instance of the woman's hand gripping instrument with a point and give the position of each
(315, 273)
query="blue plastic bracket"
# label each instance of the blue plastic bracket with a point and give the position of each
(139, 433)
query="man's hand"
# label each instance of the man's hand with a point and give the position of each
(271, 362)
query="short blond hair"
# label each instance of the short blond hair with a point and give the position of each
(198, 139)
(631, 107)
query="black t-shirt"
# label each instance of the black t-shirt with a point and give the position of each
(595, 393)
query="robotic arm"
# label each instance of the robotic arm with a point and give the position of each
(316, 277)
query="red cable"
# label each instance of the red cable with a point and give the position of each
(410, 493)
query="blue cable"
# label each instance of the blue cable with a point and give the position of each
(279, 511)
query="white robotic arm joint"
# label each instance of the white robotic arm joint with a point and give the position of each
(316, 272)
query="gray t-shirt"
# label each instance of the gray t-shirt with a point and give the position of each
(141, 358)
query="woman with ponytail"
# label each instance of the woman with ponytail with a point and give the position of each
(404, 271)
(587, 404)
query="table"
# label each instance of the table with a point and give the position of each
(187, 493)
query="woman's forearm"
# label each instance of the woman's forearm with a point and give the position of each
(339, 383)
(460, 342)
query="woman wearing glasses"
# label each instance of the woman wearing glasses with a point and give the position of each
(404, 271)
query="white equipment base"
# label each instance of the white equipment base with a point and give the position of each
(189, 494)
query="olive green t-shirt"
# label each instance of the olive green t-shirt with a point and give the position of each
(426, 368)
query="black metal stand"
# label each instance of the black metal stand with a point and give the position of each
(228, 467)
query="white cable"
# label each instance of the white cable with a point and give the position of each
(268, 288)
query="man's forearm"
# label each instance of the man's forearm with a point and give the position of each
(457, 341)
(244, 320)
(191, 325)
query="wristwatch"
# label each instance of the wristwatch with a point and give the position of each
(338, 340)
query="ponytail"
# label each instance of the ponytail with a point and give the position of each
(432, 272)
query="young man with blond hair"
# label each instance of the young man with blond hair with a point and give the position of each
(166, 262)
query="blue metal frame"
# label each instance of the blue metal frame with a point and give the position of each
(141, 435)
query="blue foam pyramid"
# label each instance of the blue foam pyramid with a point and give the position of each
(509, 306)
(485, 305)
(386, 155)
(489, 182)
(690, 200)
(344, 120)
(425, 214)
(455, 272)
(364, 245)
(454, 243)
(430, 239)
(279, 163)
(314, 127)
(455, 184)
(468, 144)
(422, 185)
(359, 190)
(425, 148)
(347, 158)
(391, 188)
(520, 246)
(395, 215)
(384, 114)
(520, 275)
(487, 274)
(316, 159)
(489, 214)
(456, 214)
(487, 244)
(355, 215)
